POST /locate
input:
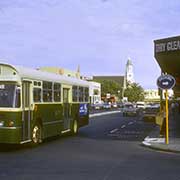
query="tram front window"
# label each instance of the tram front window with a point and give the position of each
(8, 95)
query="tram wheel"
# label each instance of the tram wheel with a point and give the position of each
(36, 134)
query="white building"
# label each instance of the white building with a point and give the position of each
(94, 92)
(152, 95)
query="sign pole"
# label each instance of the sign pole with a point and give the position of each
(166, 82)
(167, 120)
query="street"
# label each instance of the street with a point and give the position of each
(108, 148)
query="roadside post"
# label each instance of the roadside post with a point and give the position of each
(167, 118)
(165, 82)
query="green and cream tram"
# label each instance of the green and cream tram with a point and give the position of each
(35, 105)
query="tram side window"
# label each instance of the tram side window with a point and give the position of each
(37, 95)
(75, 93)
(81, 93)
(86, 93)
(47, 91)
(57, 92)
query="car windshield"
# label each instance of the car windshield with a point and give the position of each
(129, 106)
(9, 96)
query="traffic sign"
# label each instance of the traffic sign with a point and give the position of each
(166, 81)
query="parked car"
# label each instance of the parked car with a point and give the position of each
(120, 104)
(97, 106)
(107, 105)
(140, 105)
(150, 112)
(129, 110)
(114, 105)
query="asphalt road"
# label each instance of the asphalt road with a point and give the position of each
(107, 149)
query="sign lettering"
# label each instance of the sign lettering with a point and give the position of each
(167, 46)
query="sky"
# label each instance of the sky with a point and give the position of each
(98, 35)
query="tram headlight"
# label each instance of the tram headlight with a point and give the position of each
(10, 123)
(1, 123)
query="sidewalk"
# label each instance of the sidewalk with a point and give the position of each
(155, 142)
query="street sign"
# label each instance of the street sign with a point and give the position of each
(166, 81)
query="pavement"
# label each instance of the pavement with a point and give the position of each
(154, 141)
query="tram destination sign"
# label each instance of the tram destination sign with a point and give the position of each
(166, 81)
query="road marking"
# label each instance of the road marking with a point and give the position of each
(123, 126)
(113, 131)
(103, 113)
(130, 123)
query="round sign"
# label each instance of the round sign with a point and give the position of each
(166, 81)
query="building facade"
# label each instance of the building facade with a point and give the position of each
(95, 92)
(152, 95)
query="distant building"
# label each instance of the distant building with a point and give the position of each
(117, 79)
(152, 95)
(62, 71)
(121, 80)
(95, 92)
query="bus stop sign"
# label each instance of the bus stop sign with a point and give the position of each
(166, 81)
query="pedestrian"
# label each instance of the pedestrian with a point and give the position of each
(163, 126)
(173, 109)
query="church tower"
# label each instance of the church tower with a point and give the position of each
(129, 72)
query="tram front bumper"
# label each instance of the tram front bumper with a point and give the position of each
(10, 135)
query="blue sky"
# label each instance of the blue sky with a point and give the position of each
(98, 35)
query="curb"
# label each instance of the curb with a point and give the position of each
(160, 146)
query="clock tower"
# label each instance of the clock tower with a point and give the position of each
(129, 72)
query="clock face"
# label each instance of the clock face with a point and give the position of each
(130, 69)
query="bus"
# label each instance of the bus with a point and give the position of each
(35, 105)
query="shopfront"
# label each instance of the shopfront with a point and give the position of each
(167, 54)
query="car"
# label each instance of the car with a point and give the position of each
(114, 105)
(97, 106)
(120, 104)
(129, 110)
(107, 105)
(150, 112)
(140, 105)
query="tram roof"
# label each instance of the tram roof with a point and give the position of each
(34, 74)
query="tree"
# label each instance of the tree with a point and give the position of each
(109, 86)
(134, 92)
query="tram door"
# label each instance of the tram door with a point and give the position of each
(26, 113)
(66, 108)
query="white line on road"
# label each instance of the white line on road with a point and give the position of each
(113, 131)
(103, 113)
(130, 123)
(123, 126)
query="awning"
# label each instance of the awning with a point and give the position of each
(167, 54)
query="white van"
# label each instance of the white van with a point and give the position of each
(140, 105)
